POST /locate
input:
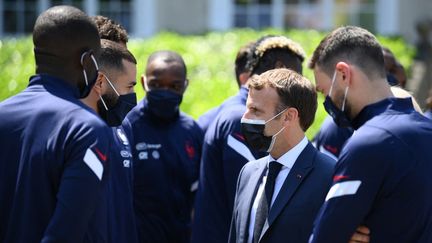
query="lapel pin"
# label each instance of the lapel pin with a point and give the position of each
(299, 176)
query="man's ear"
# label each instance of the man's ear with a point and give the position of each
(186, 85)
(243, 77)
(291, 114)
(99, 85)
(344, 70)
(143, 80)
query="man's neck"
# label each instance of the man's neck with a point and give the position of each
(377, 91)
(284, 146)
(90, 102)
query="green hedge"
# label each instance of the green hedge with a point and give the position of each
(209, 59)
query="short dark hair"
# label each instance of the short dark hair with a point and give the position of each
(270, 50)
(110, 30)
(169, 57)
(112, 55)
(242, 59)
(354, 45)
(293, 89)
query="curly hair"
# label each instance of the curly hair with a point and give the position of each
(110, 30)
(271, 51)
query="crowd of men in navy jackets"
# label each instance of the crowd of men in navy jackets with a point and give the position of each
(82, 161)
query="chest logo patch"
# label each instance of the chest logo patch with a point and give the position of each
(125, 154)
(155, 154)
(190, 150)
(122, 136)
(143, 155)
(126, 163)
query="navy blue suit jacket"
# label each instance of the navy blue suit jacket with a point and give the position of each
(293, 212)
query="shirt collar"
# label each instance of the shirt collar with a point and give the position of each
(289, 158)
(390, 104)
(243, 93)
(54, 84)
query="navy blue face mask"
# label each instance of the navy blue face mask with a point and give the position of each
(88, 84)
(164, 103)
(113, 111)
(339, 115)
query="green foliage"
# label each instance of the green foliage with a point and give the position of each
(209, 58)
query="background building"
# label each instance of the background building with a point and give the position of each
(144, 18)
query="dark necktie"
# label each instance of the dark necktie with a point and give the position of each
(265, 200)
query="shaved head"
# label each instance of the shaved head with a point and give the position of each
(61, 30)
(172, 59)
(61, 35)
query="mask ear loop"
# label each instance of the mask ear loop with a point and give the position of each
(344, 100)
(274, 136)
(331, 86)
(82, 64)
(276, 115)
(274, 140)
(103, 102)
(145, 84)
(110, 83)
(94, 62)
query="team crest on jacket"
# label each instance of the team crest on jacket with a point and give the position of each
(190, 150)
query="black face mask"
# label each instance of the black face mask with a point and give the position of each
(113, 108)
(253, 131)
(164, 103)
(339, 115)
(85, 91)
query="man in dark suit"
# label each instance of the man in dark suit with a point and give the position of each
(278, 196)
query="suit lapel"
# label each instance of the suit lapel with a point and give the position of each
(297, 174)
(250, 193)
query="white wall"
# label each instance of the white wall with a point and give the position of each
(410, 12)
(183, 16)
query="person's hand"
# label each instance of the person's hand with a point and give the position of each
(361, 235)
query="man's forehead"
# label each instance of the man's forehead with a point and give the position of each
(160, 67)
(262, 97)
(128, 64)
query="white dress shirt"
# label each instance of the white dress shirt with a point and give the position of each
(287, 160)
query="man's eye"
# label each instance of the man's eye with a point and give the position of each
(178, 87)
(154, 85)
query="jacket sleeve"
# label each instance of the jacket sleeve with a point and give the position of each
(210, 217)
(81, 183)
(358, 179)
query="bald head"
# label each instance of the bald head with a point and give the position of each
(169, 58)
(165, 70)
(60, 35)
(64, 40)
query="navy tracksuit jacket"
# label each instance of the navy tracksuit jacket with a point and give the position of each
(224, 154)
(119, 190)
(382, 179)
(53, 155)
(166, 164)
(207, 118)
(330, 139)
